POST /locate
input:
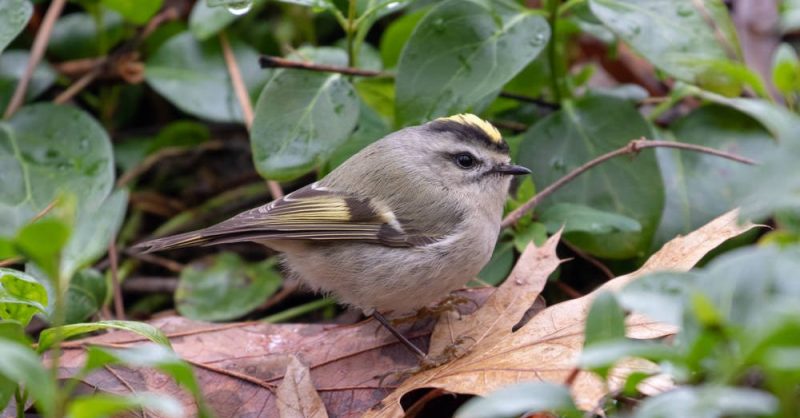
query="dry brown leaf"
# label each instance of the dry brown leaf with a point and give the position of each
(297, 397)
(547, 347)
(239, 365)
(505, 306)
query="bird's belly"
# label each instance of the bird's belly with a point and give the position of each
(401, 280)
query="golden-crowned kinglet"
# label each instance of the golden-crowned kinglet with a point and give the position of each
(396, 227)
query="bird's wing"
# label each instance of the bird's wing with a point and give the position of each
(311, 213)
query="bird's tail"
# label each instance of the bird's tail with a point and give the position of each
(188, 239)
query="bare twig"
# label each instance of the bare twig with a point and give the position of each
(119, 308)
(11, 261)
(528, 99)
(37, 51)
(268, 61)
(244, 99)
(78, 85)
(159, 155)
(631, 148)
(148, 285)
(593, 261)
(166, 263)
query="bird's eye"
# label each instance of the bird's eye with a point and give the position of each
(465, 160)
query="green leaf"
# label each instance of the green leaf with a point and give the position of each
(605, 354)
(12, 66)
(11, 332)
(583, 130)
(46, 151)
(42, 242)
(396, 35)
(206, 21)
(769, 187)
(707, 402)
(378, 94)
(369, 129)
(14, 15)
(520, 399)
(674, 35)
(661, 296)
(580, 218)
(461, 53)
(699, 187)
(534, 232)
(102, 405)
(48, 337)
(605, 320)
(193, 76)
(786, 70)
(135, 11)
(499, 266)
(21, 296)
(301, 117)
(87, 293)
(778, 120)
(80, 35)
(21, 364)
(227, 289)
(790, 16)
(93, 231)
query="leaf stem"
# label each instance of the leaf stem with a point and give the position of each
(556, 76)
(632, 148)
(350, 30)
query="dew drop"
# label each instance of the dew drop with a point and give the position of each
(240, 7)
(392, 5)
(537, 39)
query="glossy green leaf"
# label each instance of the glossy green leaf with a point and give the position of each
(48, 337)
(605, 354)
(378, 94)
(14, 15)
(771, 187)
(786, 70)
(534, 232)
(80, 35)
(42, 242)
(520, 399)
(580, 218)
(499, 266)
(102, 405)
(227, 289)
(778, 120)
(661, 296)
(462, 52)
(674, 35)
(93, 231)
(396, 35)
(21, 296)
(370, 128)
(193, 76)
(707, 402)
(206, 21)
(12, 66)
(301, 117)
(86, 294)
(11, 332)
(48, 150)
(605, 320)
(21, 364)
(319, 5)
(789, 16)
(700, 187)
(134, 11)
(632, 188)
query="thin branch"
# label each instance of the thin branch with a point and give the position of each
(632, 148)
(164, 262)
(244, 99)
(528, 99)
(149, 285)
(11, 261)
(593, 261)
(159, 155)
(268, 61)
(119, 307)
(78, 85)
(37, 52)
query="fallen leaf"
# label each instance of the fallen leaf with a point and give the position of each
(297, 397)
(547, 347)
(505, 307)
(239, 365)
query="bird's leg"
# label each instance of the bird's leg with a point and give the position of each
(450, 303)
(406, 342)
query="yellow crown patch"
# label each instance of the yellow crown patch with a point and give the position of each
(470, 119)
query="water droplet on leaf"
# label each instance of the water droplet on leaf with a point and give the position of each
(240, 7)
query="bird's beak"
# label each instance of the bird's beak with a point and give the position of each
(510, 169)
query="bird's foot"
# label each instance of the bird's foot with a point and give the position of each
(448, 304)
(451, 352)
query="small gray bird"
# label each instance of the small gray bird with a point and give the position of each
(396, 227)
